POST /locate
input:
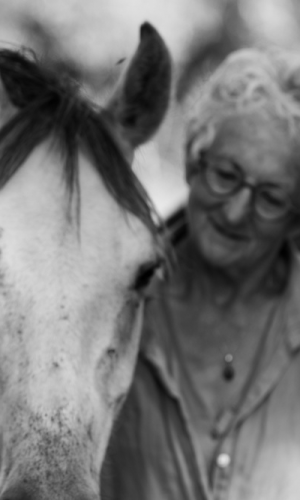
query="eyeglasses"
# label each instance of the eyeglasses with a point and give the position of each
(224, 179)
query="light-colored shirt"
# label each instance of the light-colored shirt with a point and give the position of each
(154, 453)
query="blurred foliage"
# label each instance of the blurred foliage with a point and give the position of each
(242, 23)
(233, 33)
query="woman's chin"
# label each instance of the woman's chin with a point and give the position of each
(223, 250)
(222, 259)
(224, 256)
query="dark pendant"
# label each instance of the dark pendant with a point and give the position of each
(228, 372)
(228, 369)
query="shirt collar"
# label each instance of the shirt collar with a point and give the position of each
(157, 348)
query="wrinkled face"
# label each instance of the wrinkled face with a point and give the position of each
(226, 230)
(70, 314)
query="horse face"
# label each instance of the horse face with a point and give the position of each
(69, 322)
(70, 304)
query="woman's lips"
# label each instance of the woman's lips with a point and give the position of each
(229, 232)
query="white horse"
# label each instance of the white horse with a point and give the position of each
(77, 246)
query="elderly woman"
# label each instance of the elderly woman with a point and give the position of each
(214, 410)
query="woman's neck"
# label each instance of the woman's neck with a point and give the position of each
(225, 286)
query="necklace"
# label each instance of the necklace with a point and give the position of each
(228, 369)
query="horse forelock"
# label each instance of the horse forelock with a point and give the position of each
(51, 105)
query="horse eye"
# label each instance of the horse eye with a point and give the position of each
(146, 273)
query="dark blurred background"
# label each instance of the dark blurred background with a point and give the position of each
(95, 39)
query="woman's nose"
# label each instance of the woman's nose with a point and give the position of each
(238, 205)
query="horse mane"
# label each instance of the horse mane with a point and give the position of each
(51, 105)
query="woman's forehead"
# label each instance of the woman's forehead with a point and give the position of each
(259, 143)
(258, 125)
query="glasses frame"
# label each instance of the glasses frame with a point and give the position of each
(204, 162)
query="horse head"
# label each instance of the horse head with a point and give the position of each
(77, 246)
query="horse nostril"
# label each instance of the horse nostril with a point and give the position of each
(17, 493)
(31, 492)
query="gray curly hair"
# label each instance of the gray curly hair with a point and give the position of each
(248, 80)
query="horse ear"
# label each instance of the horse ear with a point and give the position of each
(140, 103)
(7, 109)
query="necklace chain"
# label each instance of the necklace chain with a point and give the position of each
(228, 367)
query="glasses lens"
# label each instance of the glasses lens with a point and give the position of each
(221, 176)
(271, 205)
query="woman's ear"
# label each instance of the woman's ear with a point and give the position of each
(7, 109)
(140, 103)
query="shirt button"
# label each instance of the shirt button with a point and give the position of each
(223, 460)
